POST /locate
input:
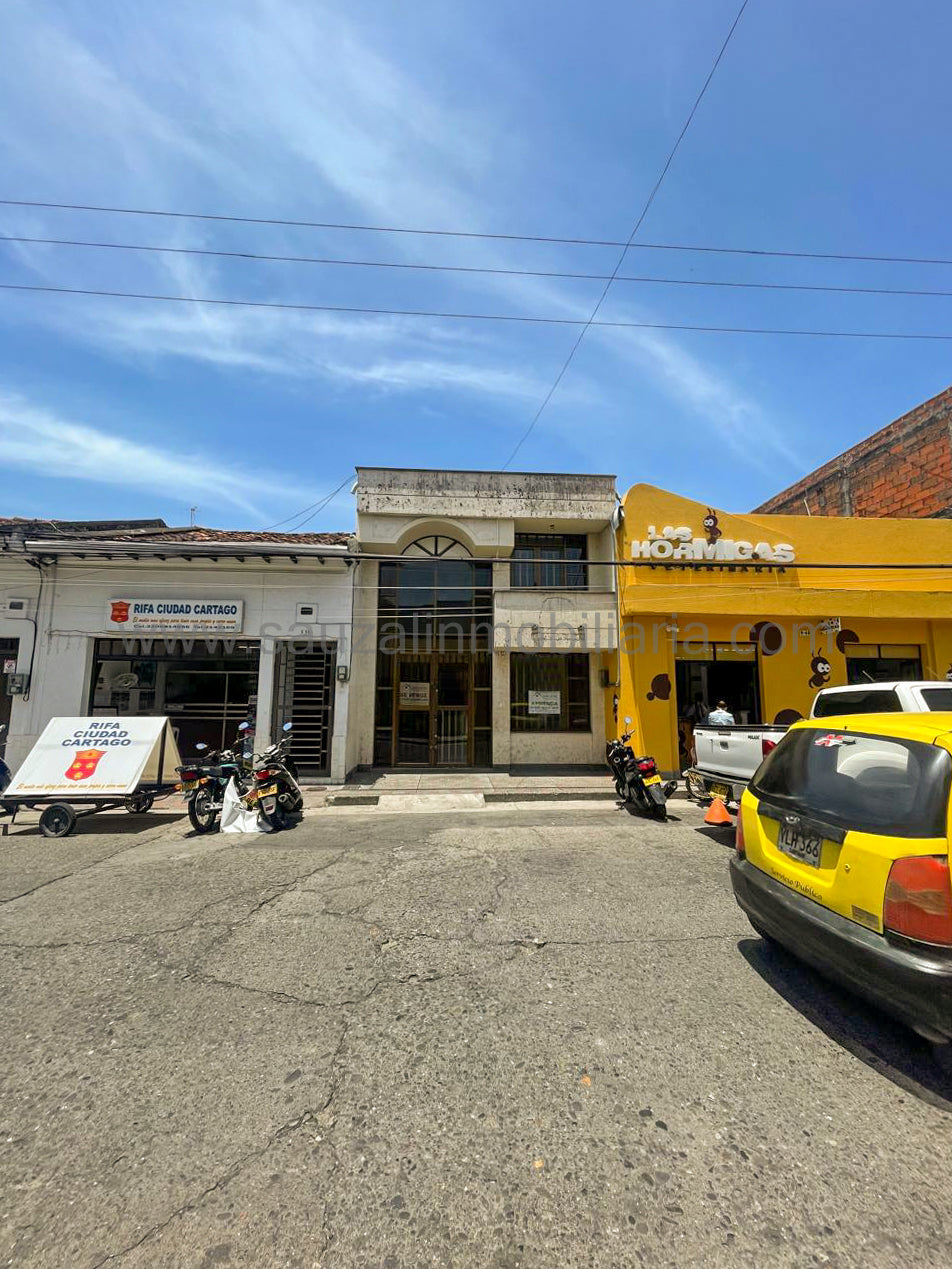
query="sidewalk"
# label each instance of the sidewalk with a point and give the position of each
(366, 788)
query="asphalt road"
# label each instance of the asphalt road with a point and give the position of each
(532, 1037)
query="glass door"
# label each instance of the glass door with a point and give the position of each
(434, 709)
(453, 710)
(414, 707)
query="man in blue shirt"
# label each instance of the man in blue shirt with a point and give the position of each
(721, 716)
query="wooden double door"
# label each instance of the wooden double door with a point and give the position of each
(434, 709)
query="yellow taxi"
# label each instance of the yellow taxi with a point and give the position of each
(843, 857)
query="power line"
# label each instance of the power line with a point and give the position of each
(488, 237)
(315, 508)
(467, 268)
(471, 317)
(624, 251)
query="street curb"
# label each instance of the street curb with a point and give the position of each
(497, 796)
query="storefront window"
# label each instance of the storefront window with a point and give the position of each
(205, 688)
(883, 662)
(549, 691)
(549, 560)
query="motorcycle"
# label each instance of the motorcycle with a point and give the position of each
(637, 781)
(276, 790)
(205, 782)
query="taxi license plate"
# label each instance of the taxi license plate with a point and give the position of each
(720, 791)
(805, 847)
(655, 779)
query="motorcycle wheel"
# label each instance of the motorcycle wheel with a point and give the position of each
(201, 812)
(279, 818)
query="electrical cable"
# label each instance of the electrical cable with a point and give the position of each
(624, 251)
(489, 237)
(315, 507)
(471, 317)
(475, 269)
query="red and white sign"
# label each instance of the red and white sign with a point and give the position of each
(830, 741)
(162, 616)
(97, 757)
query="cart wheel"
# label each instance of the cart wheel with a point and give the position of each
(58, 820)
(139, 803)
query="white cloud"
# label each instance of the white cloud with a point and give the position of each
(37, 440)
(300, 109)
(730, 413)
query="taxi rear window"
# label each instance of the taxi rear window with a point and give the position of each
(873, 784)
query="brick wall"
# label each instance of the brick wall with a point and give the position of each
(905, 469)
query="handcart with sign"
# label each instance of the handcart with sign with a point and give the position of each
(81, 766)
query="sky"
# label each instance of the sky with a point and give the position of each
(824, 130)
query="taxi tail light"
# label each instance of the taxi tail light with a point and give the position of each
(766, 744)
(739, 834)
(918, 900)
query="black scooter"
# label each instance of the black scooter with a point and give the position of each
(276, 790)
(637, 781)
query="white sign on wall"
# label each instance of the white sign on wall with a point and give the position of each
(98, 757)
(414, 693)
(681, 542)
(545, 702)
(10, 665)
(158, 616)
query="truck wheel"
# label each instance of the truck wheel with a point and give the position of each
(58, 820)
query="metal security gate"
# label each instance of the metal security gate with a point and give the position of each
(305, 696)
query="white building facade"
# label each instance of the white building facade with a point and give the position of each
(208, 627)
(485, 619)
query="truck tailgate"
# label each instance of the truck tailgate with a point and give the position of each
(733, 752)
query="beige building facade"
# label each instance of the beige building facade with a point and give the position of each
(485, 619)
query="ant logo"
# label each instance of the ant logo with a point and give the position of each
(711, 527)
(821, 671)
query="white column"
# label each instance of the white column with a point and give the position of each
(263, 717)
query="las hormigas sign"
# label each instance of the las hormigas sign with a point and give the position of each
(677, 543)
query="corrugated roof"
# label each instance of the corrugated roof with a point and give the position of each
(159, 531)
(198, 533)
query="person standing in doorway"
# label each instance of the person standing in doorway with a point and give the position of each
(721, 716)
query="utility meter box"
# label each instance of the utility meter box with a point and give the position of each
(17, 684)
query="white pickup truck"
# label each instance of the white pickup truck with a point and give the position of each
(727, 757)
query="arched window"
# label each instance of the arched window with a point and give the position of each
(438, 546)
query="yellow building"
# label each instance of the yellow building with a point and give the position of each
(762, 610)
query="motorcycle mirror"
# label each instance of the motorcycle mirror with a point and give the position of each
(201, 746)
(287, 726)
(243, 726)
(627, 721)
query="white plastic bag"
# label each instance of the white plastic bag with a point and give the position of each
(236, 817)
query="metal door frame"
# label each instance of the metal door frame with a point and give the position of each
(433, 657)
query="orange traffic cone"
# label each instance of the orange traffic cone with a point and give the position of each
(717, 813)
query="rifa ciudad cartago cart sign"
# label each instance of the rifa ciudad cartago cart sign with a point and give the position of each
(100, 762)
